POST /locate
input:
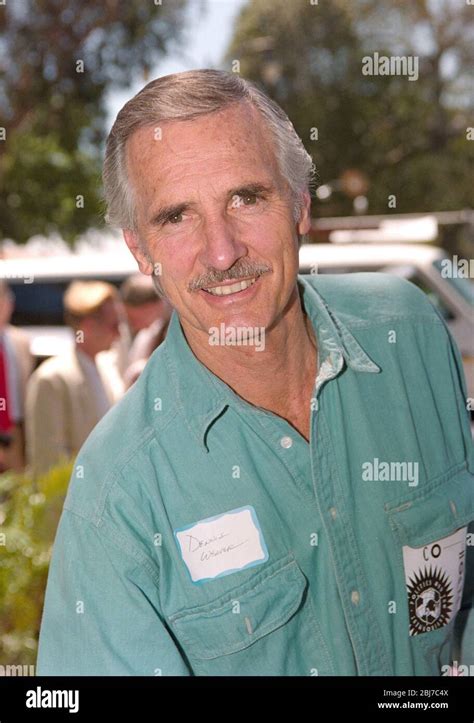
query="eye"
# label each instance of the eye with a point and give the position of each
(175, 218)
(244, 199)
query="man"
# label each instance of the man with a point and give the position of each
(229, 516)
(140, 301)
(67, 395)
(16, 365)
(148, 335)
(146, 320)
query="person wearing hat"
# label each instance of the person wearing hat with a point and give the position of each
(67, 395)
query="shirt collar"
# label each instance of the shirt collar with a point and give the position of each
(204, 397)
(332, 335)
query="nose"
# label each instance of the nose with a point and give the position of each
(221, 245)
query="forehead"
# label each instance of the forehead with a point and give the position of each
(233, 138)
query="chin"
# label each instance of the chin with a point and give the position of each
(252, 320)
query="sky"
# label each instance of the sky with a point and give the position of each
(208, 34)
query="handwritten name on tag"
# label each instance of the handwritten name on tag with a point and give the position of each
(222, 544)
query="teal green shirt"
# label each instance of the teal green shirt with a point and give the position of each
(202, 535)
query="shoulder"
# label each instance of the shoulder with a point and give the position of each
(373, 297)
(122, 436)
(55, 368)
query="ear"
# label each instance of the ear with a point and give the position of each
(304, 224)
(142, 258)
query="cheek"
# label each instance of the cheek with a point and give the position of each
(275, 230)
(275, 242)
(173, 255)
(177, 272)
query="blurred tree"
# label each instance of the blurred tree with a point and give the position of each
(409, 138)
(60, 59)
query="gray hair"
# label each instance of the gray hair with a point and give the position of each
(183, 96)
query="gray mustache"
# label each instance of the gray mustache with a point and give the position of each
(216, 276)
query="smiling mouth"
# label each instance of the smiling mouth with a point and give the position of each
(231, 288)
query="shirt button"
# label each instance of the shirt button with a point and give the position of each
(355, 597)
(333, 513)
(286, 442)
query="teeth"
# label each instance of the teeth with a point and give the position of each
(231, 288)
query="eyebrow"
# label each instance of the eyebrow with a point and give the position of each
(166, 212)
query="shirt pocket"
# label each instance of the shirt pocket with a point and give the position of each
(265, 626)
(431, 534)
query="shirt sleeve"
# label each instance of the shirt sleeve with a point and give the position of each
(464, 627)
(101, 613)
(460, 386)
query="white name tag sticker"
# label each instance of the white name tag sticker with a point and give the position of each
(222, 544)
(434, 576)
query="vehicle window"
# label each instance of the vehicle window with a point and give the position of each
(41, 303)
(38, 304)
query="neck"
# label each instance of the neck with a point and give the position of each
(280, 378)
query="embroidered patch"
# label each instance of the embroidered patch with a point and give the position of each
(434, 576)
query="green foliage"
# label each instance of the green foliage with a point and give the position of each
(61, 60)
(68, 201)
(29, 515)
(407, 137)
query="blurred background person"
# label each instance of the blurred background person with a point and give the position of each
(141, 303)
(143, 309)
(67, 395)
(16, 365)
(148, 338)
